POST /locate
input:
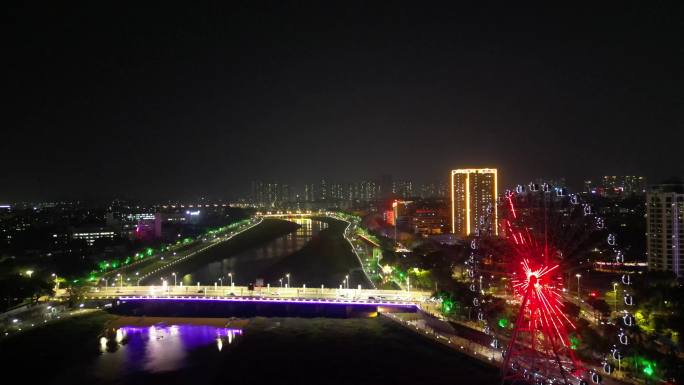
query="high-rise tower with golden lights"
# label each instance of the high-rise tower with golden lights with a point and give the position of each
(473, 201)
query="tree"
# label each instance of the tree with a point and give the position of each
(571, 309)
(599, 305)
(41, 288)
(75, 294)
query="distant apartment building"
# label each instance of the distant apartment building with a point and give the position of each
(309, 193)
(623, 185)
(323, 192)
(337, 191)
(369, 191)
(665, 228)
(385, 186)
(427, 221)
(270, 194)
(90, 235)
(427, 190)
(617, 185)
(443, 189)
(473, 201)
(403, 188)
(432, 190)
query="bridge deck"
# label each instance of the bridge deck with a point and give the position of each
(272, 295)
(311, 301)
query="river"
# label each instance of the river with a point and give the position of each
(273, 351)
(256, 263)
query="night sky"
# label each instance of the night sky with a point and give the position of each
(110, 99)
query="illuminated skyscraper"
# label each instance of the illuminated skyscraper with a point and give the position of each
(473, 192)
(665, 228)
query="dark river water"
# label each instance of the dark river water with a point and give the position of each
(252, 264)
(280, 351)
(156, 349)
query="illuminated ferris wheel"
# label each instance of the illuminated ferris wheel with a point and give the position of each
(547, 233)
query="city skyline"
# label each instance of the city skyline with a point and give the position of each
(368, 189)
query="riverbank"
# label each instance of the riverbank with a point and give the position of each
(52, 347)
(417, 324)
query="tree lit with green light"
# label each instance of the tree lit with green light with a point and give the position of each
(648, 366)
(447, 306)
(574, 342)
(503, 322)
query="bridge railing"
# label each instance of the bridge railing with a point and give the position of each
(279, 292)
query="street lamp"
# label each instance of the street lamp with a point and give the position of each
(346, 281)
(615, 293)
(120, 278)
(221, 281)
(281, 283)
(578, 275)
(288, 279)
(174, 279)
(231, 279)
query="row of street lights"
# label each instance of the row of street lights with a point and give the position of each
(615, 285)
(288, 280)
(220, 280)
(118, 276)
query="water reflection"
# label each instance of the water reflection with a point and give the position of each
(249, 265)
(230, 336)
(158, 348)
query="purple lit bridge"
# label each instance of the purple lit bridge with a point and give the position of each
(240, 301)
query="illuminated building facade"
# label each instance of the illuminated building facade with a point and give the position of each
(665, 228)
(473, 191)
(92, 235)
(428, 222)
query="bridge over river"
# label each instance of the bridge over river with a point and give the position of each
(304, 295)
(241, 301)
